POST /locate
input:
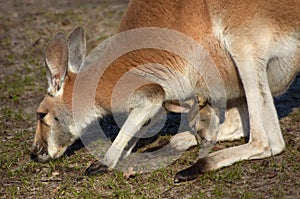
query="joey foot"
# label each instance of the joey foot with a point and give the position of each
(96, 168)
(192, 172)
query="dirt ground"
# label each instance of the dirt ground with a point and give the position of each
(25, 29)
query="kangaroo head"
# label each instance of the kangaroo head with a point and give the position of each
(63, 58)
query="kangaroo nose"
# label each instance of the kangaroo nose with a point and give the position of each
(34, 153)
(39, 153)
(41, 158)
(34, 157)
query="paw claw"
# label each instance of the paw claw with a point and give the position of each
(96, 168)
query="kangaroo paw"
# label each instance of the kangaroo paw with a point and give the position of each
(96, 168)
(192, 172)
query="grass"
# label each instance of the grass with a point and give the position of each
(23, 84)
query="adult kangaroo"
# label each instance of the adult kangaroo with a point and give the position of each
(255, 47)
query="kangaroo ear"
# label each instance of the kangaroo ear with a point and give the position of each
(56, 58)
(77, 49)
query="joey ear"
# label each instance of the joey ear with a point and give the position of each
(56, 58)
(77, 49)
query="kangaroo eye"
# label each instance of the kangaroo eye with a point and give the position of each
(40, 115)
(56, 119)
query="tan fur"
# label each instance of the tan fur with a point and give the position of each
(254, 44)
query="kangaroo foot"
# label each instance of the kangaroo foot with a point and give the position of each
(192, 172)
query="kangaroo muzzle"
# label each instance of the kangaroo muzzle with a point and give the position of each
(39, 153)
